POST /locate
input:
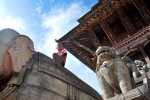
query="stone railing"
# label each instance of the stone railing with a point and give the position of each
(133, 40)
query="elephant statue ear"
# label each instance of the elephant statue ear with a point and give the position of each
(21, 51)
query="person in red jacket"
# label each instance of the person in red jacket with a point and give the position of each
(60, 56)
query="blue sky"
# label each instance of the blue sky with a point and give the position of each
(46, 20)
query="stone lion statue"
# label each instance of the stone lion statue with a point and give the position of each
(112, 72)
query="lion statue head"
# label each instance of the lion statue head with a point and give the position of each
(105, 53)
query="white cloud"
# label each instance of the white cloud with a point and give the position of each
(7, 21)
(58, 22)
(10, 22)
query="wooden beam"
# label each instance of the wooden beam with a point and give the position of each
(93, 37)
(108, 32)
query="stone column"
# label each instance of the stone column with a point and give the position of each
(93, 38)
(125, 21)
(143, 10)
(108, 31)
(144, 54)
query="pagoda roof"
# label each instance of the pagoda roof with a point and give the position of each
(79, 42)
